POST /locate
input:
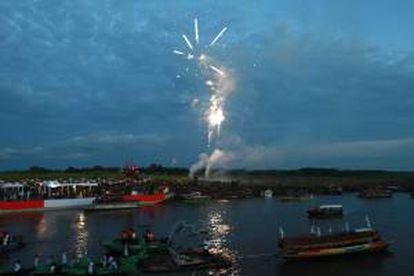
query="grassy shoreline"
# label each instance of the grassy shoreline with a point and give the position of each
(308, 179)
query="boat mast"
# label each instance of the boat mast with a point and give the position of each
(281, 232)
(346, 227)
(368, 221)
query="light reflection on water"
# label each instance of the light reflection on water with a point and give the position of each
(81, 234)
(41, 228)
(219, 231)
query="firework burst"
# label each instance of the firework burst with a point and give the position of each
(218, 80)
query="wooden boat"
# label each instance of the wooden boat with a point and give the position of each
(364, 240)
(293, 198)
(148, 199)
(137, 246)
(112, 206)
(126, 266)
(373, 194)
(333, 190)
(195, 198)
(325, 211)
(181, 260)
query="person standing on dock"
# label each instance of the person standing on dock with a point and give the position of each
(104, 261)
(133, 235)
(6, 239)
(17, 266)
(91, 268)
(64, 260)
(112, 264)
(149, 236)
(126, 250)
(36, 261)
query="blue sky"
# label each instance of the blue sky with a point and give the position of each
(318, 83)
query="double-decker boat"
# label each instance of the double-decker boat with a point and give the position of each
(310, 246)
(46, 195)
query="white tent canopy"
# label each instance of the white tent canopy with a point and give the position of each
(11, 185)
(56, 184)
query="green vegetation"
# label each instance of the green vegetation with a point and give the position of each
(97, 172)
(303, 178)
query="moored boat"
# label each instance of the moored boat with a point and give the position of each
(125, 265)
(325, 211)
(293, 198)
(195, 198)
(112, 206)
(137, 243)
(181, 260)
(47, 195)
(268, 193)
(149, 199)
(302, 247)
(372, 194)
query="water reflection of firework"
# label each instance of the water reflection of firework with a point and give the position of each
(82, 235)
(219, 231)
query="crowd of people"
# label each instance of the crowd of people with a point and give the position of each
(54, 265)
(129, 236)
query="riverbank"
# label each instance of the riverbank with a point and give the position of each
(234, 183)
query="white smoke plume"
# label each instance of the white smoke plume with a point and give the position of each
(207, 162)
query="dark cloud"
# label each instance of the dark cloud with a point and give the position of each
(85, 82)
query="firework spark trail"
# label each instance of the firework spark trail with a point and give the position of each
(220, 87)
(178, 53)
(220, 34)
(197, 39)
(220, 84)
(187, 41)
(214, 68)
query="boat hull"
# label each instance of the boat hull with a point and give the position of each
(113, 206)
(143, 200)
(340, 251)
(321, 214)
(43, 205)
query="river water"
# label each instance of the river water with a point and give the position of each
(248, 229)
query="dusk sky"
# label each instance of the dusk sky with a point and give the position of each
(317, 83)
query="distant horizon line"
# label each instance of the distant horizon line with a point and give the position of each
(161, 167)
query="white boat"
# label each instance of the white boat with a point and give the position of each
(268, 193)
(17, 197)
